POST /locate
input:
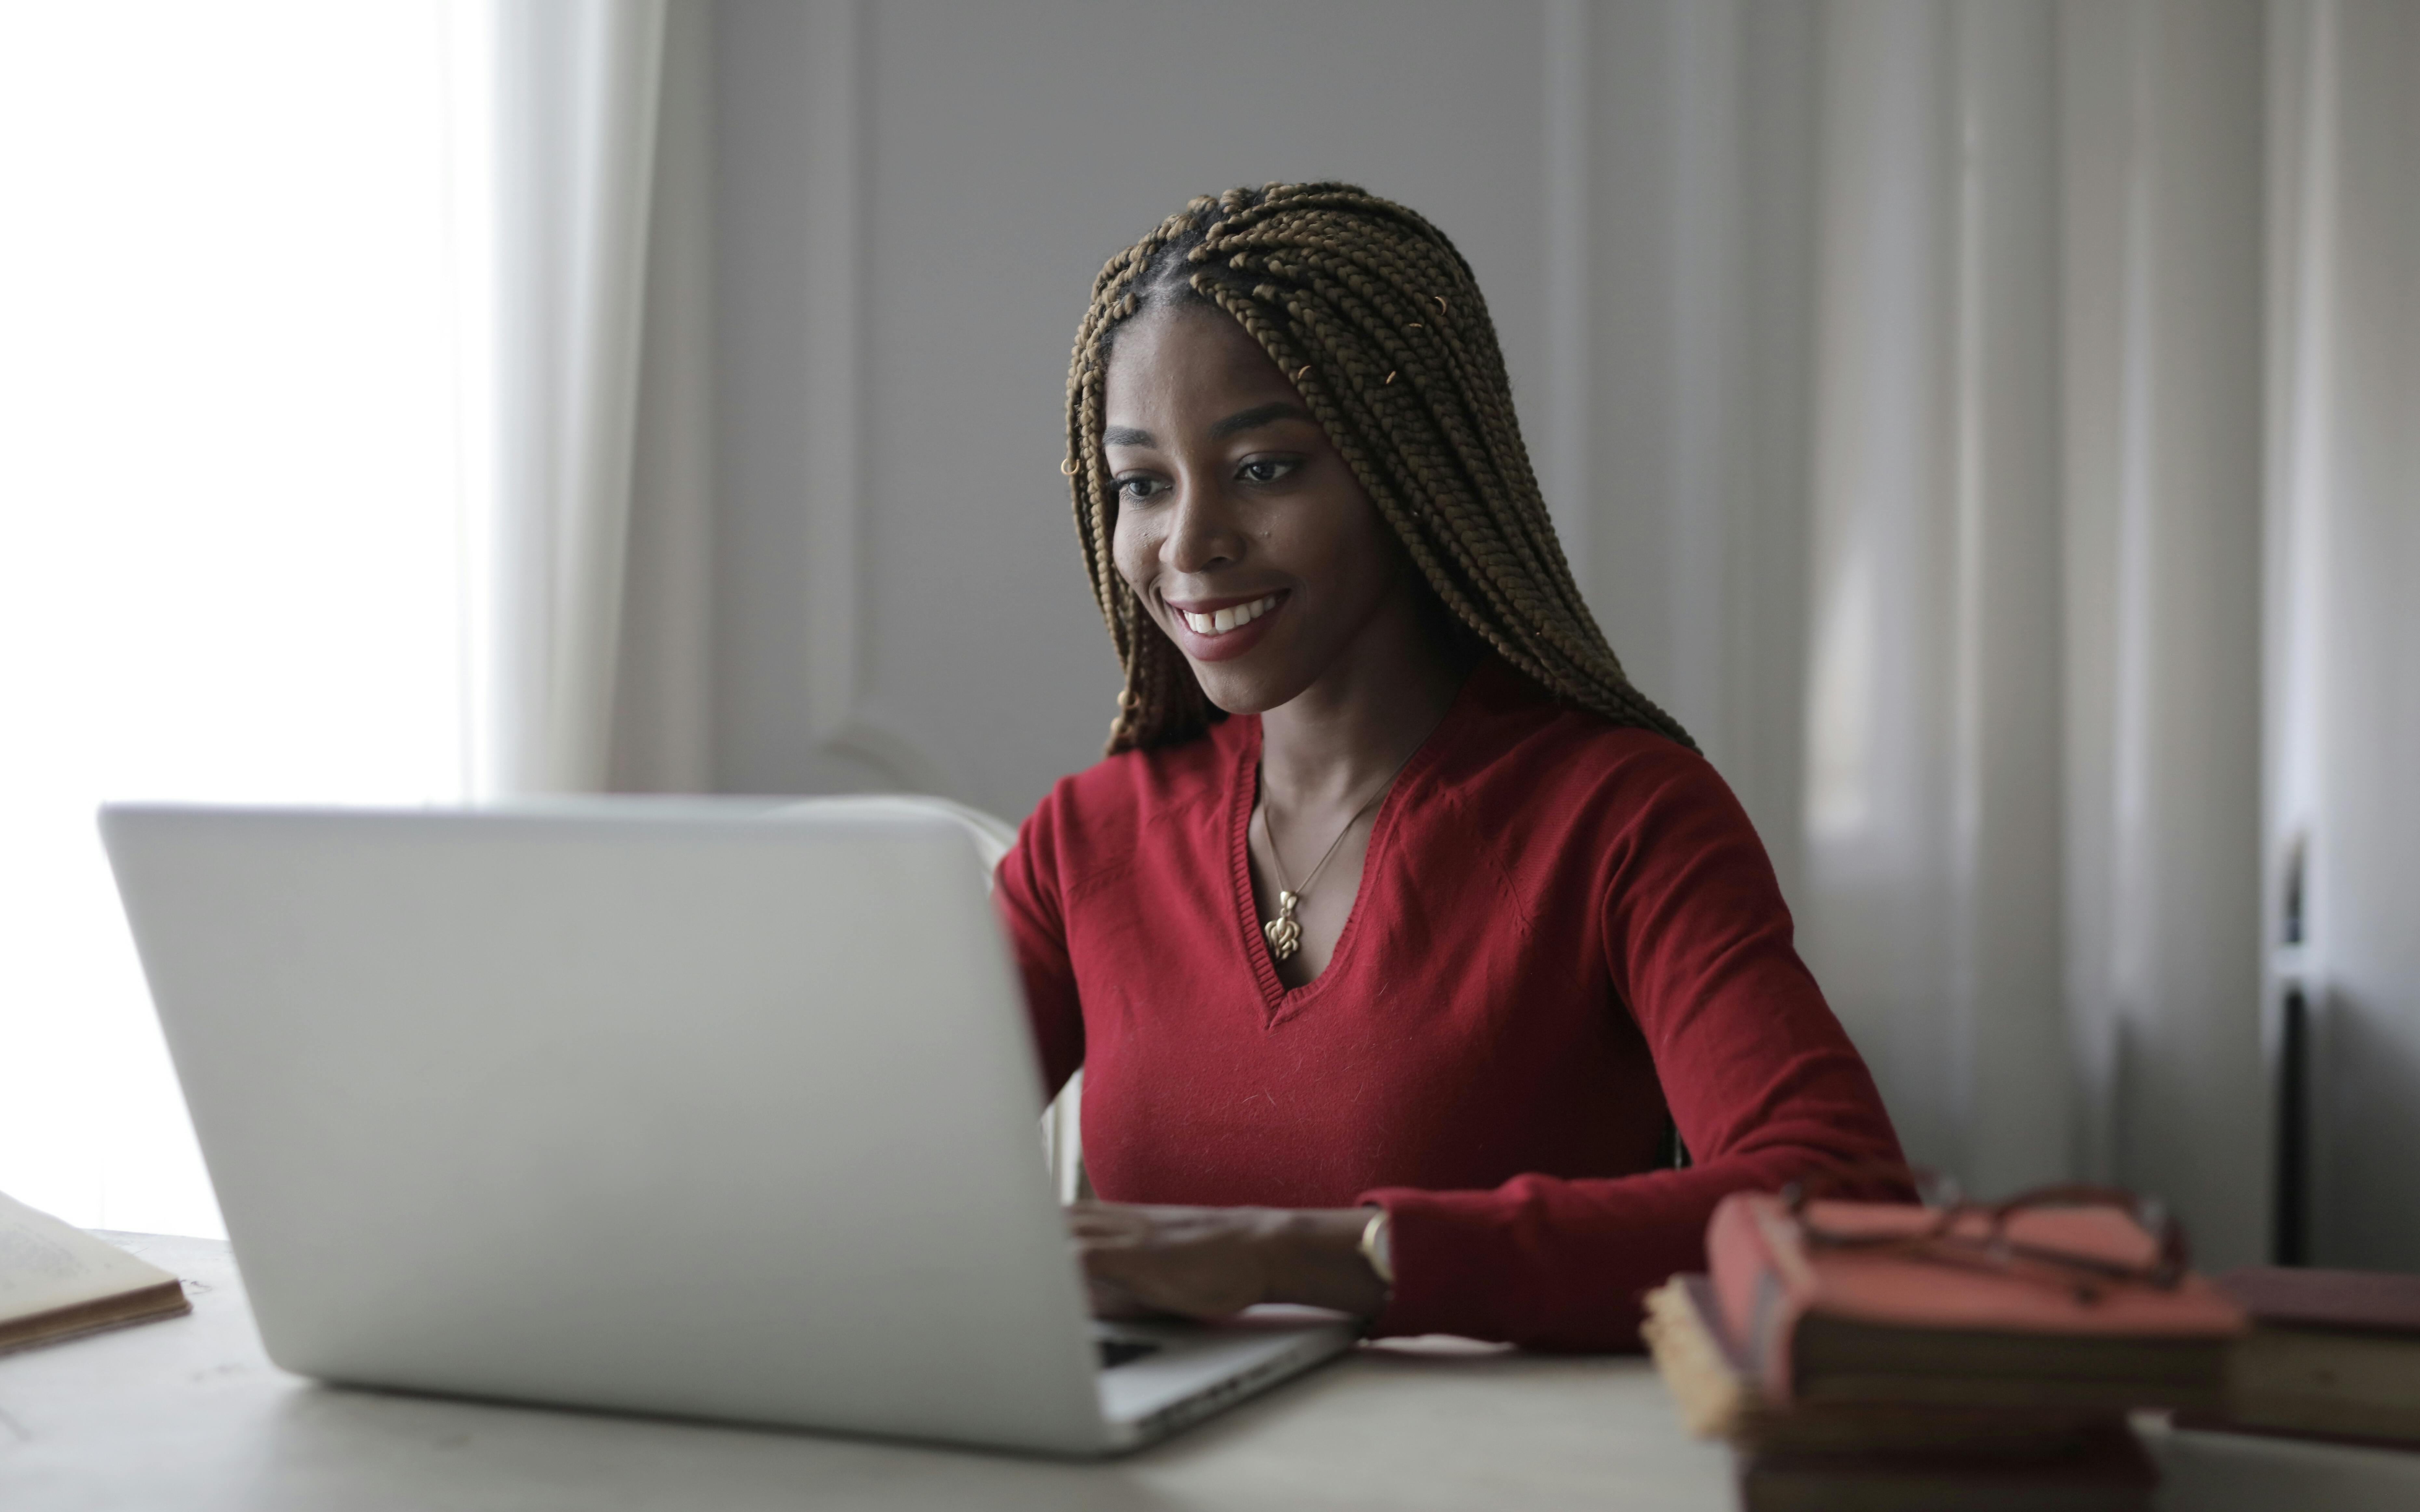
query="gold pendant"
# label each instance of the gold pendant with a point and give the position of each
(1284, 935)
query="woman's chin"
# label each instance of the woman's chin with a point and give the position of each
(1245, 690)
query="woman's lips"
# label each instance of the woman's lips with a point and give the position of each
(1214, 645)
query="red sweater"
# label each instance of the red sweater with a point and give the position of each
(1563, 928)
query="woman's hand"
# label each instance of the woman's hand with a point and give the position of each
(1210, 1262)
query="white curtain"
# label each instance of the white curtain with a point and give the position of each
(2032, 789)
(589, 663)
(2344, 578)
(2164, 164)
(1932, 745)
(1954, 360)
(232, 543)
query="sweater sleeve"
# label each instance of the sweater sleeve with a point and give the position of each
(1758, 1075)
(1027, 894)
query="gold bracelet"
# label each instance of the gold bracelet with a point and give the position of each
(1376, 1250)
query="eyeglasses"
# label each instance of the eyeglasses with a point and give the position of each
(1977, 1234)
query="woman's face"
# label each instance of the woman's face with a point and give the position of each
(1239, 527)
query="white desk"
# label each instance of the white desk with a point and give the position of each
(189, 1414)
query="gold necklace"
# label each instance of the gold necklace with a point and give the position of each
(1284, 934)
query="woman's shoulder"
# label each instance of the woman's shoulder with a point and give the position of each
(1519, 745)
(1556, 793)
(1109, 808)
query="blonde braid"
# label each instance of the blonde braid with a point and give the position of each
(1378, 321)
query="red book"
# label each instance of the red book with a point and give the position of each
(1956, 1324)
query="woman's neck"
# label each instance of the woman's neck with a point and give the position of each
(1366, 715)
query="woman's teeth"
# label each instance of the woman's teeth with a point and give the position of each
(1222, 620)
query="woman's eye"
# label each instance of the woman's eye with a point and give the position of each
(1265, 470)
(1138, 489)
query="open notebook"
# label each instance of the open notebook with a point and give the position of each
(58, 1281)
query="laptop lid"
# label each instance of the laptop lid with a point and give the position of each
(642, 1107)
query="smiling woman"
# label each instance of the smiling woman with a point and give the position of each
(1427, 1076)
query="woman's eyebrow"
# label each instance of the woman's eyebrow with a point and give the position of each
(1252, 419)
(1259, 415)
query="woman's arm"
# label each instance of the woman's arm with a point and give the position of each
(1028, 899)
(1757, 1072)
(1211, 1263)
(1540, 1261)
(1758, 1075)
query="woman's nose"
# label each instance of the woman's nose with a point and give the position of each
(1202, 532)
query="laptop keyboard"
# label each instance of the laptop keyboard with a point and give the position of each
(1115, 1352)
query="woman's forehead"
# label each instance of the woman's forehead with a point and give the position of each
(1179, 360)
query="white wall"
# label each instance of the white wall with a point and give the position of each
(912, 200)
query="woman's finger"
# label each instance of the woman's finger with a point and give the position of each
(1108, 1299)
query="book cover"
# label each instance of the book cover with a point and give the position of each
(1962, 1327)
(1716, 1391)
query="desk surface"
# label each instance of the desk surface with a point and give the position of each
(190, 1414)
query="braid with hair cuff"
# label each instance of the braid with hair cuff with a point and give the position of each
(1376, 317)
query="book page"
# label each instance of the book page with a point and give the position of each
(46, 1265)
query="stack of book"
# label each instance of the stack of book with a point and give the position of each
(2332, 1354)
(1886, 1356)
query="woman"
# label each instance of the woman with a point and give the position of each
(1397, 930)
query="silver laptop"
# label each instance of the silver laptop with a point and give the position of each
(663, 1108)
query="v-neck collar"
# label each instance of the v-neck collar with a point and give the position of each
(1279, 1002)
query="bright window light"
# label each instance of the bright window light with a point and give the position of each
(233, 287)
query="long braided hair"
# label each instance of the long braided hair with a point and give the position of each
(1376, 317)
